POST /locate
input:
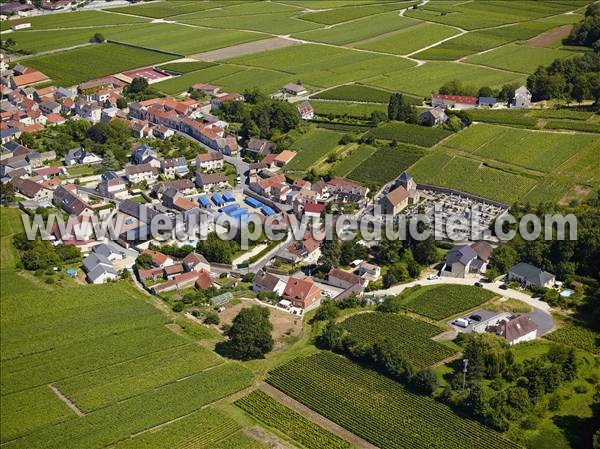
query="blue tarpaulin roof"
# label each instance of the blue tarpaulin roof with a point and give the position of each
(266, 210)
(228, 197)
(204, 201)
(487, 100)
(253, 203)
(238, 212)
(229, 209)
(217, 199)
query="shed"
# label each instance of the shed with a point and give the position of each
(228, 197)
(253, 202)
(217, 199)
(229, 209)
(204, 202)
(266, 210)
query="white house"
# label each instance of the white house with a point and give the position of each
(267, 282)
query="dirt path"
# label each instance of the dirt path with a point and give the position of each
(354, 440)
(66, 400)
(549, 37)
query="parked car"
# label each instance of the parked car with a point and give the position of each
(503, 287)
(478, 284)
(475, 317)
(461, 322)
(432, 277)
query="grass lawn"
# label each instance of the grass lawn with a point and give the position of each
(83, 64)
(429, 77)
(317, 143)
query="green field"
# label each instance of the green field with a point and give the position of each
(412, 336)
(385, 165)
(409, 39)
(422, 136)
(520, 58)
(165, 9)
(276, 23)
(83, 64)
(323, 66)
(340, 108)
(311, 147)
(181, 39)
(76, 20)
(546, 151)
(478, 15)
(102, 344)
(277, 416)
(577, 335)
(429, 77)
(341, 14)
(471, 176)
(354, 159)
(379, 409)
(39, 41)
(187, 67)
(443, 301)
(355, 92)
(209, 75)
(358, 30)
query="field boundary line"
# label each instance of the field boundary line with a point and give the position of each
(67, 401)
(315, 417)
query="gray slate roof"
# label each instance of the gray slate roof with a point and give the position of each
(531, 273)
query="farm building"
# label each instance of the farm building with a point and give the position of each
(294, 89)
(433, 117)
(522, 98)
(453, 101)
(531, 276)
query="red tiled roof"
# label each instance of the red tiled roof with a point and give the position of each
(158, 258)
(456, 98)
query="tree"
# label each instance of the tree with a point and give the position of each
(332, 337)
(212, 318)
(485, 91)
(389, 359)
(7, 192)
(503, 257)
(109, 162)
(489, 356)
(377, 117)
(424, 382)
(121, 103)
(143, 261)
(138, 85)
(98, 38)
(327, 311)
(250, 333)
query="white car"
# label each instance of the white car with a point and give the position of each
(432, 277)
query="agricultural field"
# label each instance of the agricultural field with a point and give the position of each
(295, 426)
(378, 409)
(520, 58)
(354, 92)
(186, 67)
(121, 350)
(353, 160)
(165, 9)
(320, 66)
(82, 64)
(577, 335)
(483, 15)
(468, 175)
(228, 10)
(444, 301)
(182, 83)
(385, 165)
(429, 77)
(76, 20)
(339, 15)
(478, 41)
(339, 108)
(412, 336)
(422, 136)
(358, 30)
(546, 151)
(311, 147)
(276, 23)
(181, 39)
(409, 39)
(40, 41)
